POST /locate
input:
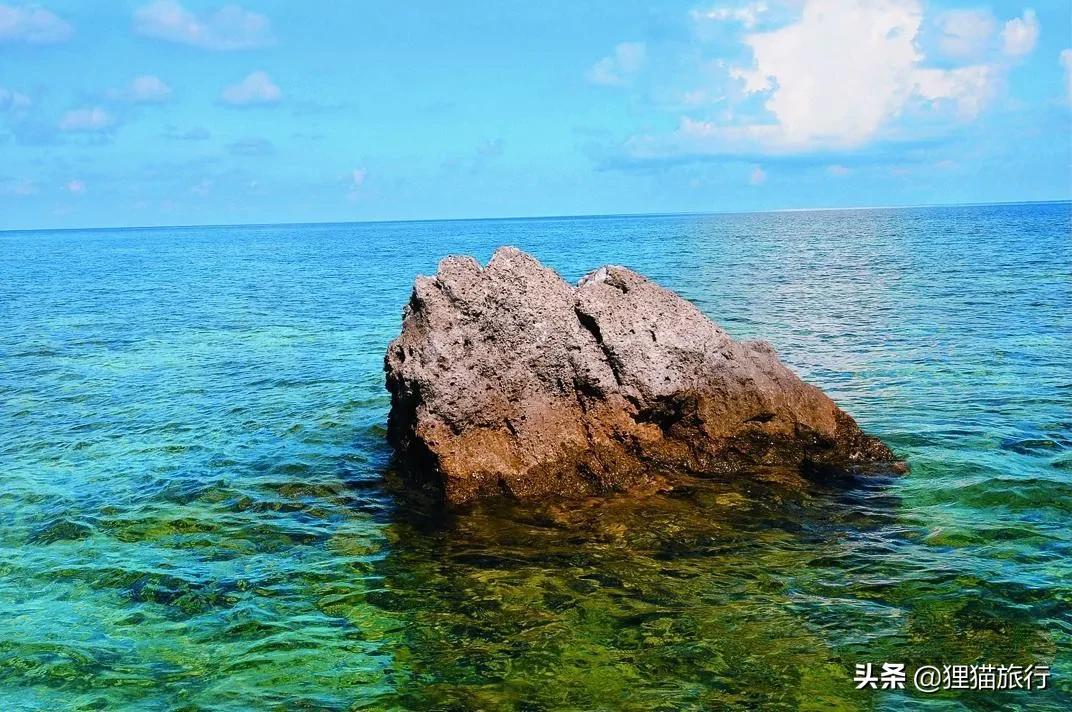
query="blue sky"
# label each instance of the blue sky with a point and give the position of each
(165, 113)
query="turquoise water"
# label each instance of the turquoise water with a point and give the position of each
(193, 512)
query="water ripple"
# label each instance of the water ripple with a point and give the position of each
(193, 512)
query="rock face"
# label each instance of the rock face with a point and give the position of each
(507, 380)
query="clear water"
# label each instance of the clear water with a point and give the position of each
(193, 516)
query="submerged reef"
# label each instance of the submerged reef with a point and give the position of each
(506, 380)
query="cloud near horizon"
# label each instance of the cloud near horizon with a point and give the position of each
(194, 111)
(1066, 61)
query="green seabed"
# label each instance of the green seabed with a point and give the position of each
(193, 513)
(720, 595)
(716, 596)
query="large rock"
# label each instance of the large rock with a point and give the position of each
(506, 380)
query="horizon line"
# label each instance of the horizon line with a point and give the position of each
(579, 216)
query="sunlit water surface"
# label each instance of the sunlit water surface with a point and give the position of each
(193, 515)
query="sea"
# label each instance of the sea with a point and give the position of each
(196, 510)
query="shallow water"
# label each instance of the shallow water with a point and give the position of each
(193, 514)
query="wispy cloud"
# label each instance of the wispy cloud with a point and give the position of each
(149, 89)
(87, 119)
(32, 24)
(758, 176)
(231, 27)
(32, 130)
(965, 34)
(355, 182)
(195, 134)
(490, 147)
(472, 163)
(75, 187)
(144, 89)
(11, 100)
(1066, 62)
(21, 187)
(251, 147)
(256, 88)
(748, 15)
(617, 68)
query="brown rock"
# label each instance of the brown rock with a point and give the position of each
(506, 380)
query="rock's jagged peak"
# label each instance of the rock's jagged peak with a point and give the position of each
(506, 379)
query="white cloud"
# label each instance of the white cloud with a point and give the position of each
(836, 77)
(88, 119)
(695, 97)
(148, 89)
(11, 100)
(77, 187)
(966, 88)
(1020, 34)
(256, 88)
(747, 15)
(704, 137)
(965, 34)
(754, 80)
(228, 28)
(1066, 62)
(743, 133)
(840, 73)
(32, 24)
(144, 89)
(757, 177)
(838, 170)
(20, 187)
(355, 181)
(618, 68)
